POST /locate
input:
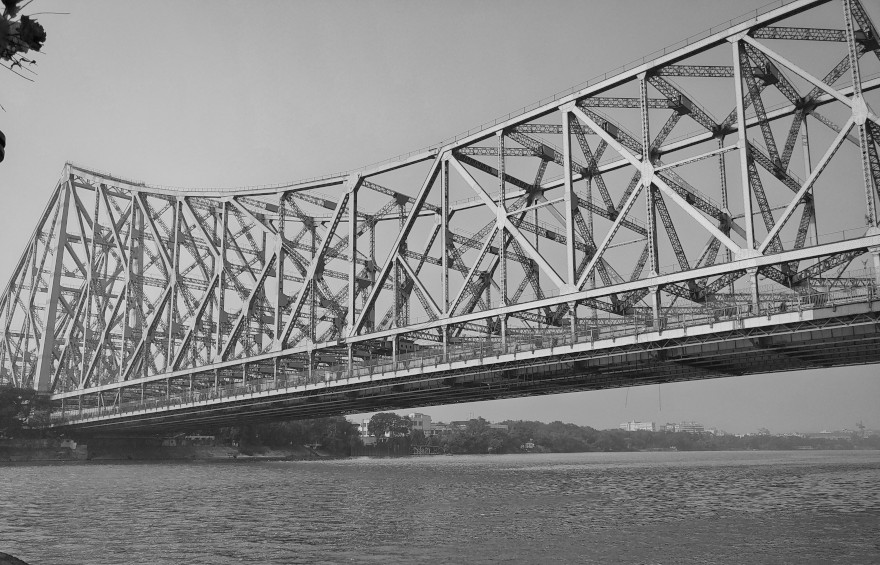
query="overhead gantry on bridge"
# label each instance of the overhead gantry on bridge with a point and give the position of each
(709, 212)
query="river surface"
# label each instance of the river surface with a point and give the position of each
(716, 507)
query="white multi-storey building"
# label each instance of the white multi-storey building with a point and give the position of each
(638, 426)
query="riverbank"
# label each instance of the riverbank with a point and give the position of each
(138, 449)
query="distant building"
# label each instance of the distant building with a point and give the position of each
(500, 427)
(638, 426)
(439, 429)
(826, 434)
(691, 427)
(421, 422)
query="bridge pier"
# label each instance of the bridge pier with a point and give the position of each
(875, 255)
(656, 304)
(753, 286)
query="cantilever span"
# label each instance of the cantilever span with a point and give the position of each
(712, 212)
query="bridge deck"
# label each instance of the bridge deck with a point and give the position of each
(830, 329)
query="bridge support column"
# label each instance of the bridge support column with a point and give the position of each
(875, 255)
(572, 308)
(446, 344)
(656, 304)
(350, 360)
(504, 332)
(753, 287)
(395, 341)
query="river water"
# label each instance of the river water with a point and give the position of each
(717, 507)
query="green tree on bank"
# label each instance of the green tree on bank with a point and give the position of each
(389, 425)
(18, 406)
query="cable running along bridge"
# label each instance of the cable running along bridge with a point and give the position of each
(711, 212)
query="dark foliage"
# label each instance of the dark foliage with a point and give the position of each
(335, 434)
(559, 437)
(18, 407)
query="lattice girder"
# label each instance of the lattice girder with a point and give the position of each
(536, 224)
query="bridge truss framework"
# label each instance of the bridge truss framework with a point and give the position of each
(649, 215)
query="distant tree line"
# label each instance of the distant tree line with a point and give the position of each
(559, 437)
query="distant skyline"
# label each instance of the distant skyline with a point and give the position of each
(233, 93)
(737, 405)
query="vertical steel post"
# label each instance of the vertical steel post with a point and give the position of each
(90, 286)
(875, 254)
(352, 251)
(43, 374)
(220, 314)
(591, 279)
(650, 194)
(808, 169)
(446, 241)
(743, 145)
(130, 294)
(752, 273)
(860, 114)
(725, 203)
(175, 269)
(569, 197)
(647, 178)
(313, 285)
(502, 231)
(280, 255)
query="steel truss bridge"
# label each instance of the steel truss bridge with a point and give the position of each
(710, 212)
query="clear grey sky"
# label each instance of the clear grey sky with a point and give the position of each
(233, 93)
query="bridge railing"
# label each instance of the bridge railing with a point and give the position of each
(586, 330)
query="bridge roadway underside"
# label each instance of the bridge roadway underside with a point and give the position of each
(829, 337)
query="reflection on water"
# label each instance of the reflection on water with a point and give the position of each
(755, 507)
